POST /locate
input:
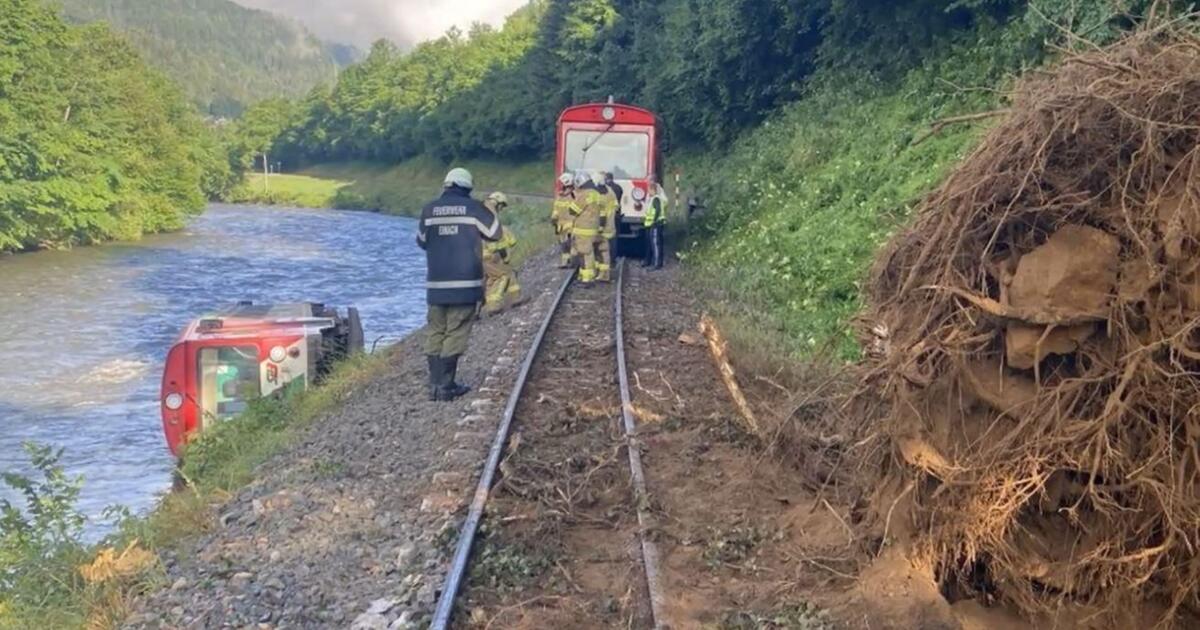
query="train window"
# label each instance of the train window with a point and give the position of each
(229, 380)
(624, 154)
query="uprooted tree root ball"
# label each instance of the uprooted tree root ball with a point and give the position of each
(1035, 335)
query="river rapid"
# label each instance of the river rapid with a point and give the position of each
(83, 333)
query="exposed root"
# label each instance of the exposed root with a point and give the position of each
(1035, 345)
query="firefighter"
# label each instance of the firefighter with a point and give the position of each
(655, 224)
(501, 288)
(585, 226)
(561, 216)
(451, 232)
(609, 203)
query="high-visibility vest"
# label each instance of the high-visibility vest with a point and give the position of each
(654, 212)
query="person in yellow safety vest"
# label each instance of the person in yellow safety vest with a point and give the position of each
(655, 222)
(585, 227)
(561, 216)
(500, 281)
(610, 203)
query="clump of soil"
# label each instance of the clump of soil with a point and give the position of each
(1035, 344)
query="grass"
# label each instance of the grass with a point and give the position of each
(799, 207)
(52, 581)
(396, 189)
(301, 191)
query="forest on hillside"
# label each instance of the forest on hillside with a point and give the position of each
(710, 68)
(225, 56)
(94, 144)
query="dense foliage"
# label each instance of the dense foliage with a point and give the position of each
(224, 55)
(93, 144)
(799, 202)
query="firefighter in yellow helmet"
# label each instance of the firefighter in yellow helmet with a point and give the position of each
(609, 203)
(561, 215)
(585, 226)
(500, 281)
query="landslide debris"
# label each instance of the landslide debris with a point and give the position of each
(1035, 342)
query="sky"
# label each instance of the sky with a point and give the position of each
(405, 22)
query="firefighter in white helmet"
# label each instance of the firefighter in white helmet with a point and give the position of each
(501, 289)
(561, 216)
(585, 226)
(607, 201)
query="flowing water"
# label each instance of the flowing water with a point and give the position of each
(83, 333)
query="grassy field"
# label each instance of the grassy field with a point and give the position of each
(395, 189)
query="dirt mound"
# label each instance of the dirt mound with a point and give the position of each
(1035, 338)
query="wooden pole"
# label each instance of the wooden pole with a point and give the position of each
(720, 353)
(266, 173)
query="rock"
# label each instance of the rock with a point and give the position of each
(403, 622)
(381, 606)
(258, 507)
(369, 621)
(405, 555)
(179, 584)
(1074, 272)
(241, 580)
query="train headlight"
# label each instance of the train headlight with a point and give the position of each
(608, 113)
(638, 194)
(278, 354)
(173, 401)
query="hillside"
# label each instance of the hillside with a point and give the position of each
(224, 55)
(94, 145)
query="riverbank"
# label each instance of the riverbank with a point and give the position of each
(41, 585)
(395, 189)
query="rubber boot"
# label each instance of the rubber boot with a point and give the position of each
(450, 389)
(435, 375)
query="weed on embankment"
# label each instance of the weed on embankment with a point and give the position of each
(51, 578)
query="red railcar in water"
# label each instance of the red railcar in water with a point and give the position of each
(222, 362)
(619, 139)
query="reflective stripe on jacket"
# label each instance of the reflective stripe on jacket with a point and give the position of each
(451, 231)
(507, 241)
(588, 210)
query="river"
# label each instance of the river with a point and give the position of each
(83, 332)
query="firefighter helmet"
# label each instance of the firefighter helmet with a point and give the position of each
(598, 178)
(498, 199)
(460, 177)
(566, 179)
(581, 178)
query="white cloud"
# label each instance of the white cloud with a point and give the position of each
(405, 22)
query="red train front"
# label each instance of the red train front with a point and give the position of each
(222, 362)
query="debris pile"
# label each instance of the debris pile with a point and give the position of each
(1035, 338)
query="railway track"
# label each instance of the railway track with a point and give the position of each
(569, 464)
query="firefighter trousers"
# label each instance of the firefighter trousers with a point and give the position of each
(603, 259)
(564, 246)
(448, 327)
(501, 284)
(583, 247)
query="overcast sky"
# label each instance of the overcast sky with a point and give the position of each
(405, 22)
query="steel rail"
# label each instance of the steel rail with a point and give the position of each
(645, 522)
(466, 537)
(470, 527)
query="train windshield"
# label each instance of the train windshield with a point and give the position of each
(229, 380)
(625, 154)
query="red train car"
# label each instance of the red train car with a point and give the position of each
(222, 362)
(620, 139)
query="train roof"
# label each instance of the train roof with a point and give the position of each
(245, 319)
(594, 113)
